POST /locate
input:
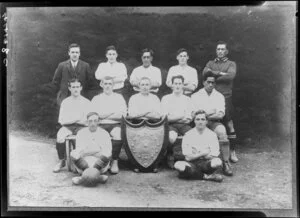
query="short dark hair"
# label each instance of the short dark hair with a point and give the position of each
(73, 80)
(209, 74)
(177, 77)
(111, 47)
(74, 45)
(147, 50)
(181, 50)
(222, 43)
(145, 78)
(199, 112)
(91, 114)
(108, 78)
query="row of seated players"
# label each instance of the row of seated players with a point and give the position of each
(110, 107)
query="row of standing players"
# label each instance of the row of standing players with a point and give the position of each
(221, 70)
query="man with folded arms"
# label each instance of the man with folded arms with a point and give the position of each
(200, 147)
(178, 108)
(213, 103)
(111, 107)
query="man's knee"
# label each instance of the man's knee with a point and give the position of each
(220, 130)
(216, 162)
(172, 136)
(62, 133)
(116, 133)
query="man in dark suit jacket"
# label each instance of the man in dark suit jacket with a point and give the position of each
(72, 68)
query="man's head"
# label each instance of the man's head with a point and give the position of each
(147, 57)
(209, 81)
(111, 54)
(200, 119)
(75, 87)
(222, 49)
(145, 85)
(93, 120)
(107, 84)
(182, 56)
(74, 52)
(177, 84)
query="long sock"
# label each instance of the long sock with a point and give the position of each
(177, 150)
(61, 150)
(225, 150)
(232, 140)
(116, 148)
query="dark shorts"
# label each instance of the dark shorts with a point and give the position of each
(197, 169)
(179, 128)
(74, 128)
(229, 109)
(109, 126)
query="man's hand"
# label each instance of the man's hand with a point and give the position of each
(75, 154)
(223, 74)
(210, 112)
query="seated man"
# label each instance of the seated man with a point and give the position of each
(111, 107)
(72, 117)
(178, 108)
(93, 150)
(213, 103)
(144, 105)
(200, 147)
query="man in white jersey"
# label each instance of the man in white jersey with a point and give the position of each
(93, 150)
(72, 117)
(183, 69)
(112, 68)
(111, 107)
(200, 147)
(144, 106)
(146, 70)
(178, 108)
(213, 103)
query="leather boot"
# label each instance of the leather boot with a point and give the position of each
(227, 169)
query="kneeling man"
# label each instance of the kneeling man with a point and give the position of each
(200, 147)
(93, 150)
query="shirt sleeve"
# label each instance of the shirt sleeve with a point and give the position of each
(158, 77)
(214, 145)
(157, 105)
(133, 77)
(57, 77)
(169, 77)
(189, 108)
(81, 140)
(164, 105)
(231, 72)
(193, 78)
(122, 106)
(106, 144)
(221, 103)
(99, 72)
(123, 72)
(186, 145)
(132, 106)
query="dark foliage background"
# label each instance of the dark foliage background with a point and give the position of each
(261, 41)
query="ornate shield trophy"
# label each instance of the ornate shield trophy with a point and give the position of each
(145, 143)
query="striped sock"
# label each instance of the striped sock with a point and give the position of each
(232, 140)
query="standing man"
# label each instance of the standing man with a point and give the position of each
(146, 70)
(213, 103)
(178, 108)
(183, 69)
(201, 150)
(112, 68)
(225, 70)
(93, 150)
(72, 117)
(111, 107)
(72, 68)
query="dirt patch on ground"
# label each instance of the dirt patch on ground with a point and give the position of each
(262, 180)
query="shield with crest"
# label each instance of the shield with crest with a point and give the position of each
(145, 142)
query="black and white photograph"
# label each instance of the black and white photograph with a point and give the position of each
(151, 108)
